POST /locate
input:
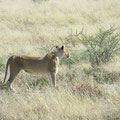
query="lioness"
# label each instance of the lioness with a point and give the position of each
(49, 64)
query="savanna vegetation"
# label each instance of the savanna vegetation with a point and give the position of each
(88, 83)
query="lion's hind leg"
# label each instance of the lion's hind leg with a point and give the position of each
(13, 73)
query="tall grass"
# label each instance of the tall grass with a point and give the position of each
(32, 28)
(59, 104)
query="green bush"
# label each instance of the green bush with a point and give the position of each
(102, 46)
(73, 59)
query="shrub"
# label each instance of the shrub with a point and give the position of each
(102, 46)
(74, 58)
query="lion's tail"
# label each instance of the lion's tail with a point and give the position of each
(6, 70)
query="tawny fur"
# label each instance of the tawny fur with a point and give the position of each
(48, 64)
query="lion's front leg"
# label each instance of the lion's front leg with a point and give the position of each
(53, 76)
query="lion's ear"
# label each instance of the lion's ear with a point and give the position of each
(63, 47)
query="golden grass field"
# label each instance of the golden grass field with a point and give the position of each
(32, 28)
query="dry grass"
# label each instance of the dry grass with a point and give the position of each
(32, 27)
(60, 104)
